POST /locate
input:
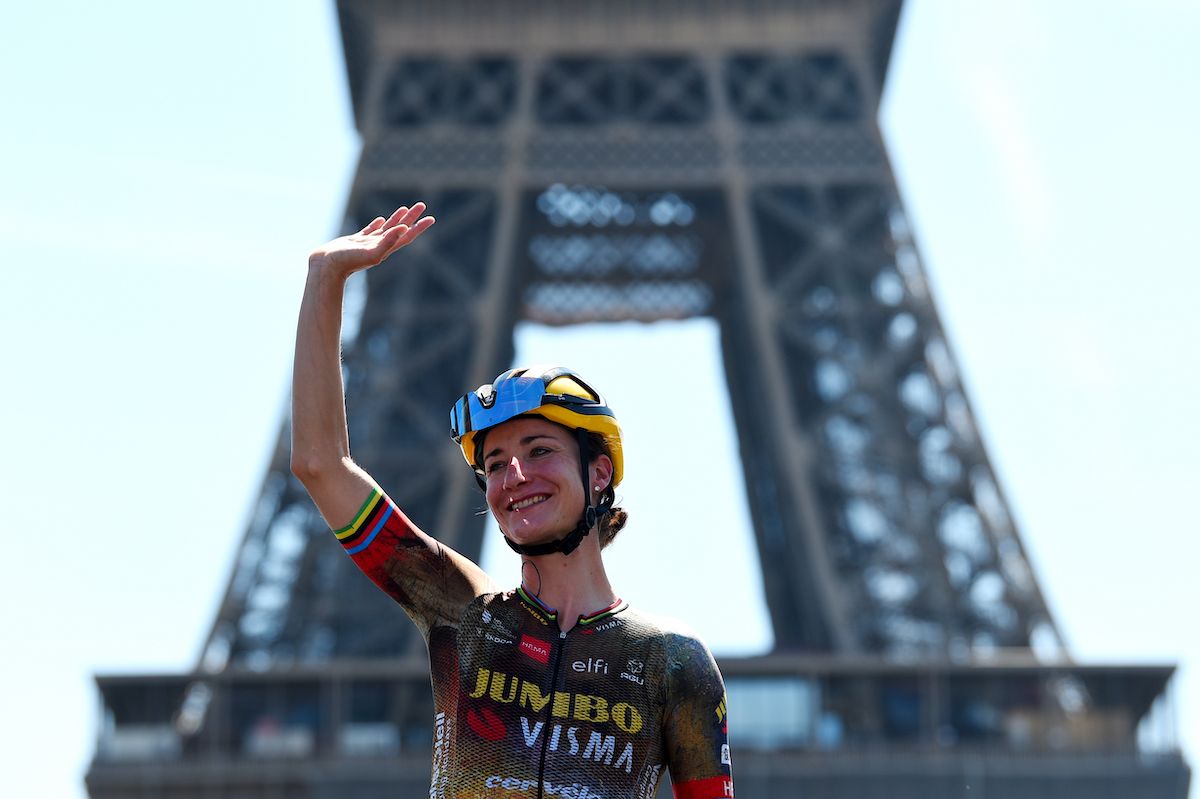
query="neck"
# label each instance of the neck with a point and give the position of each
(575, 585)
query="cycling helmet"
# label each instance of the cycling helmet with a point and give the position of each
(556, 394)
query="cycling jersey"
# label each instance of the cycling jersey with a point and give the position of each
(523, 709)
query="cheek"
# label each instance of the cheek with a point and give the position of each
(573, 491)
(493, 494)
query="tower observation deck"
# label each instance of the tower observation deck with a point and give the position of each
(664, 159)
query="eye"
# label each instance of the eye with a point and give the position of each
(539, 451)
(493, 467)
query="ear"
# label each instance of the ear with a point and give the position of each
(600, 471)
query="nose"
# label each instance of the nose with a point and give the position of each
(513, 473)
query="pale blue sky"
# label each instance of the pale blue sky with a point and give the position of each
(166, 167)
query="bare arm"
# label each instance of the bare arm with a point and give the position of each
(320, 442)
(431, 582)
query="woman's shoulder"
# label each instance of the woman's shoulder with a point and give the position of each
(688, 667)
(678, 636)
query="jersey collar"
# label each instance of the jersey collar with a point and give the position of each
(544, 611)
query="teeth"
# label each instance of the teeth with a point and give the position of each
(525, 503)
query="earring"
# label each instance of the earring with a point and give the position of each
(598, 488)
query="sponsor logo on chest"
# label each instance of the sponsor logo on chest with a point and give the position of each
(536, 648)
(495, 631)
(590, 666)
(598, 747)
(512, 690)
(633, 672)
(535, 614)
(486, 724)
(608, 625)
(548, 788)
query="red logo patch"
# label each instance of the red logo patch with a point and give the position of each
(486, 724)
(536, 649)
(711, 788)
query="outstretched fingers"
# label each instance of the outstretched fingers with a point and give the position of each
(397, 217)
(412, 215)
(417, 228)
(373, 225)
(404, 216)
(402, 235)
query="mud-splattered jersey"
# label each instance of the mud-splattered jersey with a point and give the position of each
(522, 709)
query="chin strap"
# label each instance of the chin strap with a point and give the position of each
(568, 543)
(591, 514)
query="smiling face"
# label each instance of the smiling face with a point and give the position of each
(534, 487)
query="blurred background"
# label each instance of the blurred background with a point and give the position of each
(166, 169)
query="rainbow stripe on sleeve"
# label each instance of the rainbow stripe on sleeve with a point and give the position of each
(374, 513)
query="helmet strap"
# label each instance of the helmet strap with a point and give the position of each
(591, 514)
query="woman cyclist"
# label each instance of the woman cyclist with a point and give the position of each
(557, 687)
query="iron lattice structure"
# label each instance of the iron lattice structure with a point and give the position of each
(739, 175)
(661, 160)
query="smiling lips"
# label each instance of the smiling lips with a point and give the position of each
(525, 503)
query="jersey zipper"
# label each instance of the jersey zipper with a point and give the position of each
(562, 645)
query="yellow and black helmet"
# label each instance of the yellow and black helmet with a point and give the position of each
(554, 393)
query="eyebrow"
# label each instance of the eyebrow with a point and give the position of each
(522, 442)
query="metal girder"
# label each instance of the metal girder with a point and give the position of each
(724, 179)
(657, 159)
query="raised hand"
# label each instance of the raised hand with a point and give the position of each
(374, 243)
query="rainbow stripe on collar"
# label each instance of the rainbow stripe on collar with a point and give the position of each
(601, 615)
(551, 614)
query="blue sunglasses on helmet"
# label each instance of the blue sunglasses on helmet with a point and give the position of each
(557, 395)
(514, 394)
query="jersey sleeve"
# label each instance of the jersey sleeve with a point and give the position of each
(695, 733)
(432, 582)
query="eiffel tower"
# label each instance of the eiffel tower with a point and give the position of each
(665, 159)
